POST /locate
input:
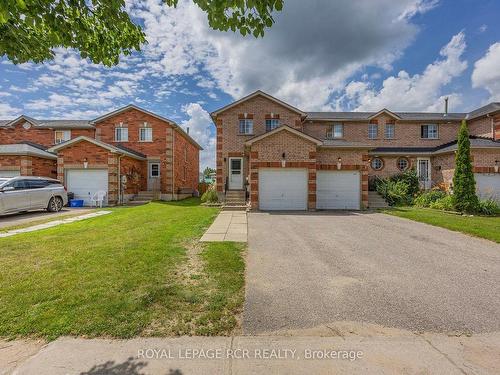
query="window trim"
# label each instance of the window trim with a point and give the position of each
(116, 133)
(407, 164)
(246, 127)
(427, 133)
(370, 126)
(381, 161)
(66, 131)
(150, 132)
(387, 126)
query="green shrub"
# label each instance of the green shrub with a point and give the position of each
(489, 207)
(398, 189)
(394, 192)
(210, 196)
(427, 198)
(464, 185)
(444, 203)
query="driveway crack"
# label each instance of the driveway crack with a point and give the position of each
(444, 355)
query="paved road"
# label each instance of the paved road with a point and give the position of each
(312, 269)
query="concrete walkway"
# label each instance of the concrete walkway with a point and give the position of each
(401, 354)
(22, 218)
(228, 226)
(54, 223)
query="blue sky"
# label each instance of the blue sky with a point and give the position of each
(328, 55)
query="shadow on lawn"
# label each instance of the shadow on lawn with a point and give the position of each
(129, 367)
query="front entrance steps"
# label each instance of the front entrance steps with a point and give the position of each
(235, 201)
(143, 197)
(375, 200)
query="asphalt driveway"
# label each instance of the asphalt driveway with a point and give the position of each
(311, 269)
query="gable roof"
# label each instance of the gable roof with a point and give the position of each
(133, 106)
(253, 95)
(387, 112)
(483, 111)
(31, 120)
(365, 116)
(25, 149)
(284, 128)
(107, 146)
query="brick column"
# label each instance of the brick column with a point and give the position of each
(167, 181)
(311, 183)
(254, 179)
(26, 166)
(219, 158)
(112, 179)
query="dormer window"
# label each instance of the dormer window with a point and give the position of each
(335, 131)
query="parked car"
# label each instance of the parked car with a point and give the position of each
(26, 193)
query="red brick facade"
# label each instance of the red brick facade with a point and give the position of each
(299, 152)
(176, 153)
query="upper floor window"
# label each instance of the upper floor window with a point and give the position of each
(246, 126)
(272, 123)
(429, 131)
(121, 134)
(372, 131)
(335, 131)
(62, 136)
(389, 131)
(145, 134)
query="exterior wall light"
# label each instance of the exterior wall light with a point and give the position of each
(283, 161)
(85, 163)
(496, 166)
(339, 163)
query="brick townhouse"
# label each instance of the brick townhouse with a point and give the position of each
(124, 153)
(283, 158)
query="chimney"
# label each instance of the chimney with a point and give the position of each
(187, 129)
(446, 106)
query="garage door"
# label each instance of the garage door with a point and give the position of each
(85, 182)
(9, 173)
(488, 185)
(282, 189)
(340, 190)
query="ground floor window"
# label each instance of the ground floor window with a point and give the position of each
(403, 164)
(377, 164)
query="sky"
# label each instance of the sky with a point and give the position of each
(404, 55)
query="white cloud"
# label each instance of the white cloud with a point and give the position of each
(413, 92)
(201, 129)
(306, 56)
(486, 72)
(7, 111)
(23, 89)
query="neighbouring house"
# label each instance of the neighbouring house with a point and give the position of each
(124, 153)
(283, 158)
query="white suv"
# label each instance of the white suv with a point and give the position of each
(27, 193)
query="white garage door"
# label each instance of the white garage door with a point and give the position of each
(9, 173)
(85, 182)
(488, 185)
(339, 190)
(282, 189)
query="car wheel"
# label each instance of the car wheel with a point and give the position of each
(55, 204)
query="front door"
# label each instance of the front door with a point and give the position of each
(154, 176)
(424, 172)
(235, 173)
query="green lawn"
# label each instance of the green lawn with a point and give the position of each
(137, 271)
(480, 226)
